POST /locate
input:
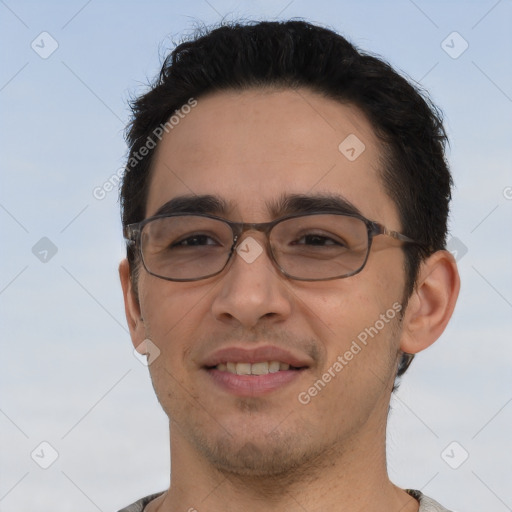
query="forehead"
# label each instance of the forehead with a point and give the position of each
(250, 148)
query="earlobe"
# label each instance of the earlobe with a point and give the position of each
(131, 305)
(432, 302)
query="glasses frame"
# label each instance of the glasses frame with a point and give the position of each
(132, 234)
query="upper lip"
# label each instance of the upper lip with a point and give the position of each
(255, 355)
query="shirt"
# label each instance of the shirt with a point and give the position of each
(426, 504)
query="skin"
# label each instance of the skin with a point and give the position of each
(272, 452)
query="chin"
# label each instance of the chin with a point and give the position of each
(268, 455)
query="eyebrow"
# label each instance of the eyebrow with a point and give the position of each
(210, 204)
(287, 204)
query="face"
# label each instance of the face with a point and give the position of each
(250, 149)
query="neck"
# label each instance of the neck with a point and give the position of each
(353, 478)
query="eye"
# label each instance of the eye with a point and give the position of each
(317, 240)
(194, 241)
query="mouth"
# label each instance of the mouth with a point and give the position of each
(255, 372)
(258, 368)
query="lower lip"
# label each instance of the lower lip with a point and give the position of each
(253, 385)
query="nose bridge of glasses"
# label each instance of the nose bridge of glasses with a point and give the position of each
(251, 239)
(240, 230)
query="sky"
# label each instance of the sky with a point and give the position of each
(80, 426)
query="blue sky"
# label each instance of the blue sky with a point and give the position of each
(68, 375)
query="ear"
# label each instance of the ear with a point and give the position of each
(131, 305)
(432, 302)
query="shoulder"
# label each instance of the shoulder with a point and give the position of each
(426, 504)
(139, 505)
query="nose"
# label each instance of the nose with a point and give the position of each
(252, 289)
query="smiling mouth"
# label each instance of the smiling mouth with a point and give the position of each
(259, 368)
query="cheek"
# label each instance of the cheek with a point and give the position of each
(342, 309)
(173, 313)
(356, 323)
(167, 305)
(359, 337)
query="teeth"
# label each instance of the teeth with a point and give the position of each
(243, 368)
(261, 368)
(274, 366)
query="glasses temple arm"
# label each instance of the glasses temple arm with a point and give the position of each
(130, 233)
(398, 236)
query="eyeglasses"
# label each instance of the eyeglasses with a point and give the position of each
(315, 246)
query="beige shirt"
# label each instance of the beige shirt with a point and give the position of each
(426, 504)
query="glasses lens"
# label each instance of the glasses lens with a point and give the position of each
(320, 246)
(185, 247)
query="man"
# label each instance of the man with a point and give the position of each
(285, 205)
